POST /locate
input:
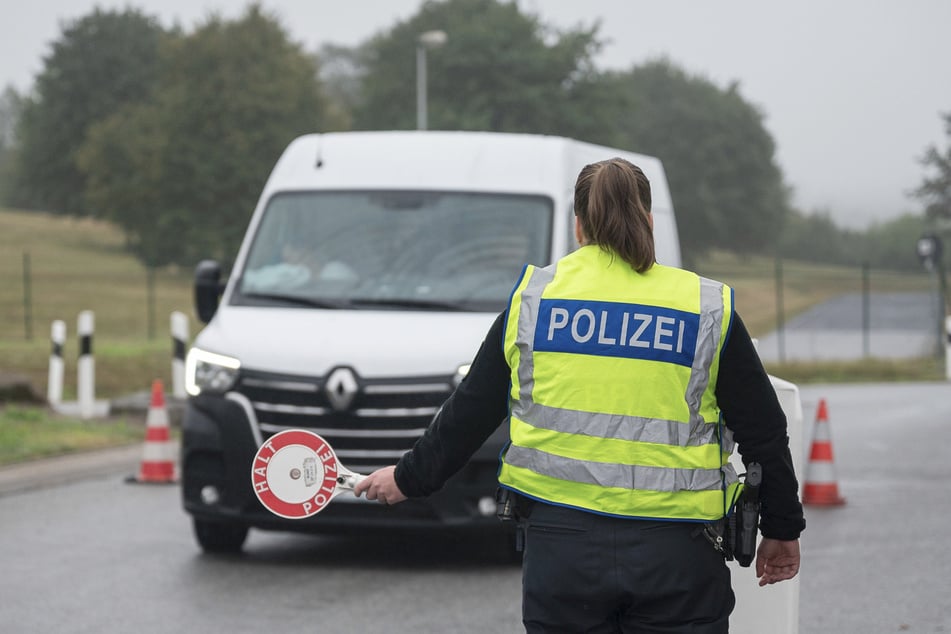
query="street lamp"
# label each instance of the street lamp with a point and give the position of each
(929, 251)
(426, 41)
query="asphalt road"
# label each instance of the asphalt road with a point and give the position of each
(879, 562)
(103, 556)
(899, 325)
(84, 551)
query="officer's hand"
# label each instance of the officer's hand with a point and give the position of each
(380, 485)
(776, 560)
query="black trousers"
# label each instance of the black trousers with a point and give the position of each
(583, 572)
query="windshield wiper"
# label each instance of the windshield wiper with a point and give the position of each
(398, 302)
(300, 300)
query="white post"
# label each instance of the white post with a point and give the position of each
(54, 383)
(179, 326)
(947, 347)
(86, 368)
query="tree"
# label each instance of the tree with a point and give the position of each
(181, 173)
(935, 189)
(101, 62)
(500, 70)
(720, 160)
(11, 105)
(340, 77)
(815, 237)
(122, 161)
(891, 244)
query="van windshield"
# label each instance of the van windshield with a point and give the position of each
(398, 250)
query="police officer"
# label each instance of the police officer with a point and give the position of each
(625, 384)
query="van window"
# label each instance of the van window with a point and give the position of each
(394, 249)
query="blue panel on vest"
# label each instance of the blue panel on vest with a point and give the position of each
(612, 329)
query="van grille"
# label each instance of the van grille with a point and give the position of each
(370, 423)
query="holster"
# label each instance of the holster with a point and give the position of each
(512, 507)
(734, 536)
(743, 525)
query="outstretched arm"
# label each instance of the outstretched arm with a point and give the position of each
(465, 420)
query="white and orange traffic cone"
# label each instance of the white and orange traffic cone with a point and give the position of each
(820, 487)
(158, 464)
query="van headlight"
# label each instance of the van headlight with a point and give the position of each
(209, 372)
(460, 374)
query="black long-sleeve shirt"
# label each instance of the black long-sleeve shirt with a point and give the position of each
(749, 404)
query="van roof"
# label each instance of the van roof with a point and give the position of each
(460, 161)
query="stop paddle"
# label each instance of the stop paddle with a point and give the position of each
(295, 474)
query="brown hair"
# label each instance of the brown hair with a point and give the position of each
(613, 204)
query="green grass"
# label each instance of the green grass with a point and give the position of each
(28, 433)
(863, 371)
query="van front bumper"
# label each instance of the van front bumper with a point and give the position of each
(218, 447)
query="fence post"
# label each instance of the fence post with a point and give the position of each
(27, 297)
(866, 312)
(780, 335)
(150, 300)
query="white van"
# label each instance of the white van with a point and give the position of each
(371, 270)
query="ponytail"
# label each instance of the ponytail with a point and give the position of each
(613, 204)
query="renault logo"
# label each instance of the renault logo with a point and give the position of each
(341, 387)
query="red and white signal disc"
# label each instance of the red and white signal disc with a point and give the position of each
(295, 474)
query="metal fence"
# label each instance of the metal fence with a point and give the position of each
(798, 311)
(131, 302)
(806, 312)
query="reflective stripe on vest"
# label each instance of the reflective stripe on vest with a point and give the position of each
(660, 453)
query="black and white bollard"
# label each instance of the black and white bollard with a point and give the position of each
(86, 367)
(85, 406)
(179, 327)
(54, 382)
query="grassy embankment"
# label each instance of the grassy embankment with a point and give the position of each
(77, 265)
(30, 432)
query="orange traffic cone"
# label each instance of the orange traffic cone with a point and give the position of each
(157, 459)
(820, 487)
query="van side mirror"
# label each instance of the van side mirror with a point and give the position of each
(208, 289)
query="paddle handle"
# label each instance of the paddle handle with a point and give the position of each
(348, 480)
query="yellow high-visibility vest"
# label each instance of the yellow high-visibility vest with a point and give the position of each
(613, 405)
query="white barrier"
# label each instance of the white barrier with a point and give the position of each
(774, 608)
(179, 328)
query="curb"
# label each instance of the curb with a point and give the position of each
(59, 470)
